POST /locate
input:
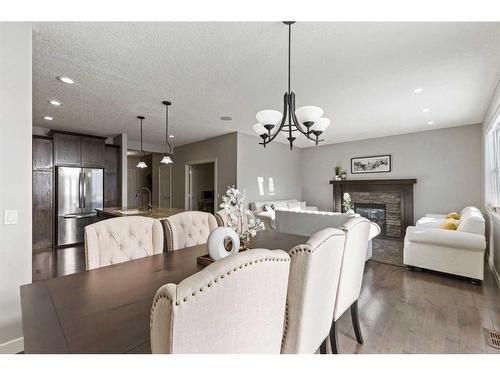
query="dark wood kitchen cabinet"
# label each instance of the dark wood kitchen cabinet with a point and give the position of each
(92, 152)
(112, 185)
(67, 149)
(78, 150)
(43, 192)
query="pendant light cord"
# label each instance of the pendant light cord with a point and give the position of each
(289, 52)
(167, 104)
(141, 139)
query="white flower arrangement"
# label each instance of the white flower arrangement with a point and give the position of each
(347, 203)
(234, 203)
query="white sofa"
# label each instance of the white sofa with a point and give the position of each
(458, 252)
(306, 223)
(268, 217)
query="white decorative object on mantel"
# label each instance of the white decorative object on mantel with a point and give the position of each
(223, 241)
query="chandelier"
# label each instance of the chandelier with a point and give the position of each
(305, 120)
(167, 159)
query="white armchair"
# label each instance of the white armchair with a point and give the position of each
(458, 252)
(188, 228)
(121, 239)
(451, 251)
(235, 305)
(312, 290)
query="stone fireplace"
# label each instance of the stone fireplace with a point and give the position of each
(389, 203)
(374, 212)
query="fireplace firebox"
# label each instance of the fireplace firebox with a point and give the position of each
(374, 212)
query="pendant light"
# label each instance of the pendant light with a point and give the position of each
(141, 163)
(305, 120)
(167, 159)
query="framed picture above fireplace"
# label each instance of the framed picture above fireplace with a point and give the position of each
(371, 164)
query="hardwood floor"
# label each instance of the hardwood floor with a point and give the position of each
(422, 312)
(400, 311)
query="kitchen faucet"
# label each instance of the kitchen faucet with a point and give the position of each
(150, 206)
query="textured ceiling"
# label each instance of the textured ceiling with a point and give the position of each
(362, 74)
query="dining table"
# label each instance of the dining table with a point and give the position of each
(107, 310)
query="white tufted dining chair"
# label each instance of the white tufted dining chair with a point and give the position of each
(358, 232)
(235, 305)
(121, 239)
(312, 290)
(223, 219)
(188, 228)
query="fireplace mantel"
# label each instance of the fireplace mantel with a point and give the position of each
(403, 186)
(385, 182)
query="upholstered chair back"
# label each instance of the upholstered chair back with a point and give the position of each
(188, 228)
(223, 219)
(234, 305)
(121, 239)
(312, 289)
(357, 232)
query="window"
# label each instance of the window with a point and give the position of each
(494, 163)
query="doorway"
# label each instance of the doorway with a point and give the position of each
(164, 186)
(201, 186)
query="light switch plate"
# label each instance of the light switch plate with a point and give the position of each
(10, 217)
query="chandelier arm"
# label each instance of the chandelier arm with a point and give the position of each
(295, 121)
(283, 120)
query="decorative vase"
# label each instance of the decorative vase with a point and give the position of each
(223, 241)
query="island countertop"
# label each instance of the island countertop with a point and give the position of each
(155, 213)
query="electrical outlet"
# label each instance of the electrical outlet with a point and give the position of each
(10, 217)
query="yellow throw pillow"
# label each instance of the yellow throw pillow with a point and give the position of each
(448, 224)
(453, 215)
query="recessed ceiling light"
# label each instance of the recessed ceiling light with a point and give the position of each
(418, 91)
(48, 118)
(425, 110)
(226, 118)
(55, 103)
(171, 136)
(430, 122)
(67, 80)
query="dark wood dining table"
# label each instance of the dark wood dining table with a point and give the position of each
(107, 310)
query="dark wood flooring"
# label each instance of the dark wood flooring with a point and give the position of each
(400, 311)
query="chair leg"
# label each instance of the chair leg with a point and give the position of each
(333, 338)
(355, 322)
(322, 348)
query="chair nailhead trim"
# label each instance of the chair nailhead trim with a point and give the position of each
(216, 280)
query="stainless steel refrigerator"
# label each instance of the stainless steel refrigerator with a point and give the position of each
(79, 192)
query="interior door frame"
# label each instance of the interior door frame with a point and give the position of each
(169, 166)
(187, 165)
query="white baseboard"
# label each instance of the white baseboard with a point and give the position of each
(13, 346)
(495, 273)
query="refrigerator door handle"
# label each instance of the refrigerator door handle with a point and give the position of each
(80, 190)
(84, 195)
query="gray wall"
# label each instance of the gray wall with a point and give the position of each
(15, 175)
(446, 163)
(222, 148)
(276, 161)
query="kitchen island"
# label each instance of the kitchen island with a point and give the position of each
(156, 213)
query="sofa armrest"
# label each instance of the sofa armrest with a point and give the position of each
(311, 208)
(436, 216)
(447, 238)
